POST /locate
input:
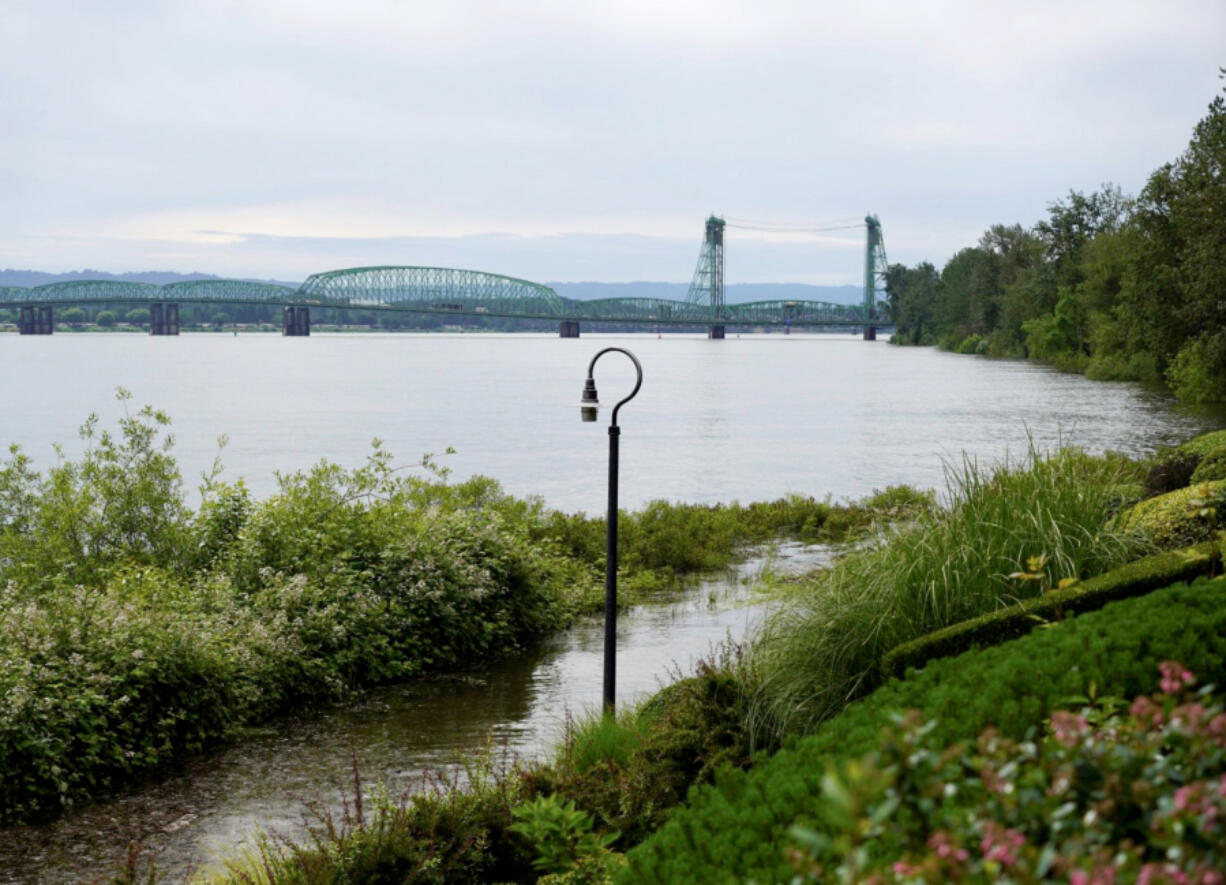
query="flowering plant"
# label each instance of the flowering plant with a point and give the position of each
(1106, 795)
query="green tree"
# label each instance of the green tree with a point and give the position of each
(911, 298)
(137, 316)
(73, 316)
(1074, 223)
(105, 318)
(970, 292)
(220, 318)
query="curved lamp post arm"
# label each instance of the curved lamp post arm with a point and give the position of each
(638, 368)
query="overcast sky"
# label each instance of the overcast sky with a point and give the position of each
(571, 140)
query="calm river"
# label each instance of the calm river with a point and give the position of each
(748, 419)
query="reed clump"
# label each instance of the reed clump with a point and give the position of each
(1004, 533)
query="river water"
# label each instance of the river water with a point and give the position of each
(748, 419)
(745, 419)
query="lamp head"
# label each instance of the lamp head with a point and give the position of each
(588, 404)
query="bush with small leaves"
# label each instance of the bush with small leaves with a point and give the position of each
(1109, 793)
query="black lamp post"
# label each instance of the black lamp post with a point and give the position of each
(587, 410)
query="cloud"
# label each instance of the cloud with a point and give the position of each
(148, 122)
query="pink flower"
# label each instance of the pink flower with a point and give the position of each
(1068, 727)
(1146, 712)
(1174, 676)
(941, 844)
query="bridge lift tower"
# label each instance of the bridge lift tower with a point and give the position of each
(875, 266)
(707, 287)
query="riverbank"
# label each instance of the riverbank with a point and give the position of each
(138, 631)
(1069, 517)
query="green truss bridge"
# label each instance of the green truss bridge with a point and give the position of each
(470, 293)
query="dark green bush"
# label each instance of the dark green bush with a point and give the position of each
(1134, 579)
(736, 829)
(1174, 471)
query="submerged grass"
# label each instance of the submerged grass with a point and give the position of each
(1007, 532)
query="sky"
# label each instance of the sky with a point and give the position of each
(571, 141)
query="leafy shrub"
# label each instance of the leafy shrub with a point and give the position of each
(973, 344)
(121, 503)
(1179, 518)
(98, 686)
(1211, 467)
(561, 834)
(1134, 579)
(1211, 447)
(1108, 366)
(736, 828)
(824, 646)
(1101, 798)
(1193, 375)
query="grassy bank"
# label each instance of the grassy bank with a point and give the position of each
(1009, 534)
(135, 629)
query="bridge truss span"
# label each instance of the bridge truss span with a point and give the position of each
(796, 313)
(433, 290)
(88, 291)
(245, 291)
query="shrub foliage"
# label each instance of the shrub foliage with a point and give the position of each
(737, 828)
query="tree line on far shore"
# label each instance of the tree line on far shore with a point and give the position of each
(1116, 287)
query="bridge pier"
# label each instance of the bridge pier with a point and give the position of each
(870, 333)
(35, 320)
(296, 321)
(715, 333)
(163, 318)
(568, 329)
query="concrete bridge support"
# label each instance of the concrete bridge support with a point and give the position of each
(296, 321)
(35, 320)
(870, 333)
(163, 318)
(568, 329)
(715, 333)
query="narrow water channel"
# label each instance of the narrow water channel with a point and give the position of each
(210, 808)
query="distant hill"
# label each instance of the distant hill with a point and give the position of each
(736, 293)
(156, 277)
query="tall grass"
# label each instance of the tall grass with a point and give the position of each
(1005, 533)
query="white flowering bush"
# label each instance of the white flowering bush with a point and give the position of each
(134, 631)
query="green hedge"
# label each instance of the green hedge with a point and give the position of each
(1206, 444)
(1135, 579)
(736, 829)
